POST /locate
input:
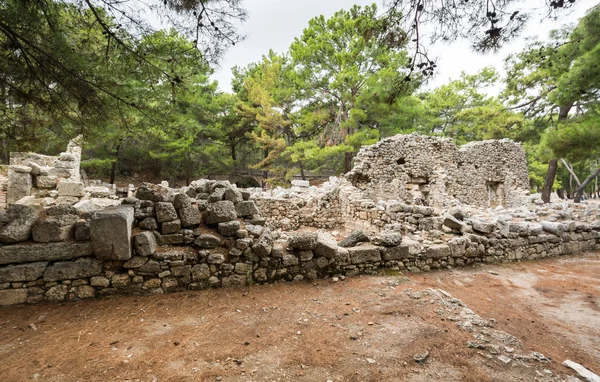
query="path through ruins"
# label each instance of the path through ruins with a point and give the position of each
(509, 322)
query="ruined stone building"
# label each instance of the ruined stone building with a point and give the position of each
(418, 169)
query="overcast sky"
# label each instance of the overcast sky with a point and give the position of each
(273, 24)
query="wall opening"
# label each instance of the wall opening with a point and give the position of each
(247, 182)
(496, 196)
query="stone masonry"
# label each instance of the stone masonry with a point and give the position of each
(212, 234)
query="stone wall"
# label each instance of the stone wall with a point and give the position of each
(33, 176)
(433, 171)
(212, 235)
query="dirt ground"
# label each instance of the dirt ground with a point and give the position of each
(366, 328)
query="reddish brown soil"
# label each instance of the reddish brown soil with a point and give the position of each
(315, 332)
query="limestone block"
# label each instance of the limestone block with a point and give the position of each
(70, 270)
(67, 188)
(64, 164)
(21, 219)
(452, 222)
(355, 237)
(264, 244)
(165, 212)
(233, 195)
(32, 252)
(55, 228)
(171, 227)
(326, 245)
(246, 208)
(364, 254)
(173, 239)
(217, 195)
(395, 253)
(207, 241)
(135, 262)
(145, 243)
(300, 183)
(302, 240)
(182, 201)
(189, 216)
(42, 181)
(148, 223)
(438, 251)
(13, 296)
(22, 272)
(388, 239)
(200, 272)
(220, 212)
(82, 230)
(64, 173)
(68, 157)
(229, 229)
(110, 231)
(19, 183)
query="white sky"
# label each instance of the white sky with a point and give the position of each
(273, 24)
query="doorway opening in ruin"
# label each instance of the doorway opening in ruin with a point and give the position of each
(496, 196)
(418, 190)
(247, 182)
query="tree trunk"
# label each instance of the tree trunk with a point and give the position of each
(577, 198)
(188, 169)
(347, 162)
(561, 193)
(113, 168)
(233, 153)
(570, 185)
(563, 113)
(549, 180)
(302, 171)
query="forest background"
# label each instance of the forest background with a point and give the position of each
(143, 98)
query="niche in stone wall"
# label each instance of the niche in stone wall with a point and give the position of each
(496, 196)
(418, 190)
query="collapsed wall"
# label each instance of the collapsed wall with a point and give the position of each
(33, 175)
(212, 234)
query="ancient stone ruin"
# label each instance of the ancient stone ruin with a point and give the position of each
(411, 203)
(432, 171)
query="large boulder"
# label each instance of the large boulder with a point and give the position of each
(220, 212)
(21, 220)
(110, 231)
